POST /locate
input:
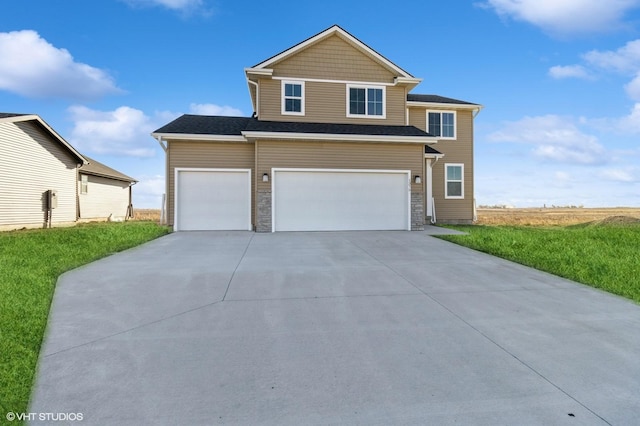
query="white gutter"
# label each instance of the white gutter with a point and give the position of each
(197, 137)
(444, 105)
(338, 137)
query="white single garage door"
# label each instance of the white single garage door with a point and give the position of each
(212, 199)
(337, 200)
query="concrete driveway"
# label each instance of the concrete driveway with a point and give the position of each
(371, 328)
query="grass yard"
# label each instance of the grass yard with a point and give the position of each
(604, 254)
(30, 263)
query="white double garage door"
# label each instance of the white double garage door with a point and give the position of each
(302, 199)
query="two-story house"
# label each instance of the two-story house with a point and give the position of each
(336, 142)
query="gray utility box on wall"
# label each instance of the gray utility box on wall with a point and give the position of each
(52, 199)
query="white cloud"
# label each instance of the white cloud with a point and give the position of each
(32, 67)
(184, 6)
(565, 16)
(633, 88)
(123, 131)
(554, 138)
(213, 109)
(147, 193)
(625, 59)
(618, 175)
(569, 71)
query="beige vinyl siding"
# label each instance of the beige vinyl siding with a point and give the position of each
(189, 154)
(104, 197)
(32, 163)
(459, 150)
(418, 118)
(338, 155)
(327, 103)
(333, 58)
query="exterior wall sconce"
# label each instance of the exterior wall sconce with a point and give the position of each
(265, 177)
(417, 179)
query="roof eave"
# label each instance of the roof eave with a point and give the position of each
(472, 107)
(252, 135)
(199, 137)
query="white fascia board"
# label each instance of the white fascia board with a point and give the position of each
(261, 72)
(196, 137)
(433, 155)
(444, 105)
(409, 81)
(339, 137)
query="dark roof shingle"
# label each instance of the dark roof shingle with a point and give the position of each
(234, 126)
(436, 99)
(96, 168)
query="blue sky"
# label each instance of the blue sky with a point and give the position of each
(559, 80)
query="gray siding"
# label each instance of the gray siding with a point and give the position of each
(31, 162)
(105, 197)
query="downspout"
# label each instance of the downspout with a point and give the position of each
(163, 207)
(130, 206)
(257, 106)
(159, 139)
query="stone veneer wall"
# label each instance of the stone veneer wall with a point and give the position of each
(263, 215)
(417, 211)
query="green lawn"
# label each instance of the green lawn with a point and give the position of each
(606, 256)
(30, 263)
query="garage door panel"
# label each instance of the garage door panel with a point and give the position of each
(336, 200)
(213, 200)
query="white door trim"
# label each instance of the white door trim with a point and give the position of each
(275, 170)
(176, 188)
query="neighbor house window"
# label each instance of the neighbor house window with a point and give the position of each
(442, 124)
(293, 97)
(365, 101)
(454, 183)
(84, 184)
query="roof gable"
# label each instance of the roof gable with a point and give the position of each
(15, 118)
(333, 58)
(335, 30)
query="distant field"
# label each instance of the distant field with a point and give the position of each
(147, 214)
(528, 216)
(555, 216)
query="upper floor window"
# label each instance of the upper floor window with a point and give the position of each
(454, 183)
(293, 97)
(365, 101)
(442, 124)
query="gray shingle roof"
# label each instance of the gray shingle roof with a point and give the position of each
(9, 114)
(96, 168)
(429, 150)
(206, 125)
(436, 99)
(234, 126)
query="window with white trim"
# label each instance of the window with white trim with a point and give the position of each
(292, 97)
(84, 184)
(366, 101)
(442, 124)
(454, 181)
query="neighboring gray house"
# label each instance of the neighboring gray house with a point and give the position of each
(103, 193)
(36, 162)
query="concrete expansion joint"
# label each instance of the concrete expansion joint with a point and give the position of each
(137, 327)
